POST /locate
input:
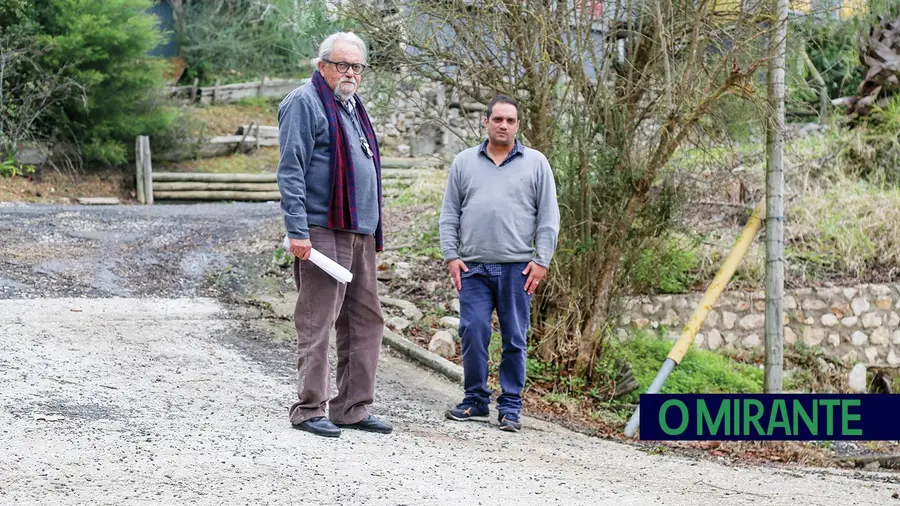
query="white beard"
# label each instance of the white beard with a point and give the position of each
(345, 91)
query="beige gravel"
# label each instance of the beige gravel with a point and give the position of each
(155, 401)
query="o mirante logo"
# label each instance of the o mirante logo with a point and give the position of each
(769, 417)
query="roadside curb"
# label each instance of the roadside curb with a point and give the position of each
(424, 357)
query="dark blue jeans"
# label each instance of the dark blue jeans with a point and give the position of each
(479, 296)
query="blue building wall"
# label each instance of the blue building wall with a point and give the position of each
(169, 46)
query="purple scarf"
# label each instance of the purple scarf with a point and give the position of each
(342, 208)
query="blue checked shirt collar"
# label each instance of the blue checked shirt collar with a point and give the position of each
(518, 149)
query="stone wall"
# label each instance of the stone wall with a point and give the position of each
(424, 120)
(857, 324)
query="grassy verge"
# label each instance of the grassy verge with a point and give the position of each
(841, 218)
(700, 372)
(263, 160)
(224, 119)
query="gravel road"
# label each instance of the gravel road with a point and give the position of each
(123, 383)
(128, 251)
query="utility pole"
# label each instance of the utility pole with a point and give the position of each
(775, 204)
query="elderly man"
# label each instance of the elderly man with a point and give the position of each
(329, 175)
(499, 226)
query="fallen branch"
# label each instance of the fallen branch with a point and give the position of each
(886, 461)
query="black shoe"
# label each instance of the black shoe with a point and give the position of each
(319, 426)
(369, 424)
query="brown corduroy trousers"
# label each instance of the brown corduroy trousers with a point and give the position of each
(354, 311)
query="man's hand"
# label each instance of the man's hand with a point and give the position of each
(456, 266)
(300, 248)
(536, 274)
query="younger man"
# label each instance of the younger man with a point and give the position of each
(499, 226)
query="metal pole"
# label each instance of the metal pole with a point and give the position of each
(703, 308)
(775, 205)
(664, 371)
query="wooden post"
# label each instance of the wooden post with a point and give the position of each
(215, 91)
(139, 169)
(239, 146)
(147, 169)
(258, 122)
(194, 89)
(262, 84)
(772, 377)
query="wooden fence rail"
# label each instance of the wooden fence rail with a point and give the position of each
(210, 186)
(223, 93)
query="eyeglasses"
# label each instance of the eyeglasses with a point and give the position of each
(342, 66)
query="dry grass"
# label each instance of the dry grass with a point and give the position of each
(839, 227)
(261, 160)
(849, 228)
(224, 119)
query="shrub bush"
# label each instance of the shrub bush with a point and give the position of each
(101, 45)
(104, 45)
(700, 372)
(243, 40)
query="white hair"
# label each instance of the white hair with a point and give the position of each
(327, 46)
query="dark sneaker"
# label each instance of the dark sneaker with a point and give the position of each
(510, 422)
(466, 411)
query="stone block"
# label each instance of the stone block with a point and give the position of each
(443, 344)
(790, 302)
(752, 321)
(859, 306)
(752, 341)
(871, 354)
(884, 303)
(790, 337)
(880, 336)
(871, 320)
(714, 339)
(850, 321)
(813, 336)
(814, 305)
(892, 358)
(893, 320)
(829, 320)
(729, 319)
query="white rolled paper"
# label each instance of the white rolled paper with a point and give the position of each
(334, 269)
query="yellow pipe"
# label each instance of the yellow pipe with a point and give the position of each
(719, 282)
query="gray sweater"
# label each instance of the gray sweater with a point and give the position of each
(304, 168)
(500, 214)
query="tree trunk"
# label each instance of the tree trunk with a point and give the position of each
(590, 340)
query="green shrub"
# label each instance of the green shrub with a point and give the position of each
(243, 40)
(700, 371)
(666, 266)
(833, 48)
(101, 47)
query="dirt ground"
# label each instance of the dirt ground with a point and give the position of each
(51, 187)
